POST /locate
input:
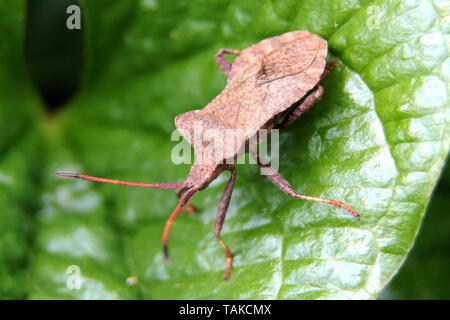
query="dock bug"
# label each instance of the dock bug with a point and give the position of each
(270, 85)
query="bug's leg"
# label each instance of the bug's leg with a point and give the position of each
(183, 200)
(224, 63)
(307, 103)
(278, 180)
(327, 69)
(220, 218)
(189, 208)
(180, 191)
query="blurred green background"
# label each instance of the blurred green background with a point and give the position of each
(107, 108)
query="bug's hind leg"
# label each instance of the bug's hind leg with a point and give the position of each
(220, 218)
(304, 106)
(327, 70)
(278, 180)
(307, 103)
(224, 63)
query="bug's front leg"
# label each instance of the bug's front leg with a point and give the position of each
(188, 193)
(220, 218)
(223, 62)
(304, 106)
(189, 208)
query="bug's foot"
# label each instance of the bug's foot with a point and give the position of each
(226, 274)
(189, 208)
(228, 256)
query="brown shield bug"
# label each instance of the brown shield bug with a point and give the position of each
(270, 84)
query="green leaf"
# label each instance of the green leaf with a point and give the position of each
(428, 262)
(376, 141)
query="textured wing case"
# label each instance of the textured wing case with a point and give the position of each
(265, 80)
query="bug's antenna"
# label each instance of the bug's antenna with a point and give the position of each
(162, 185)
(184, 199)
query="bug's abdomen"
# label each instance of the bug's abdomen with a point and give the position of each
(265, 80)
(254, 54)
